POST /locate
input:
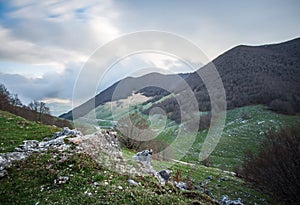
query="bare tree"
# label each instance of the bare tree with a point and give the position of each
(33, 105)
(4, 96)
(15, 101)
(40, 108)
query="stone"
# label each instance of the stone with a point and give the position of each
(30, 146)
(207, 192)
(132, 182)
(144, 157)
(14, 156)
(181, 185)
(3, 162)
(64, 132)
(57, 143)
(7, 159)
(226, 201)
(61, 180)
(27, 146)
(67, 131)
(210, 178)
(163, 176)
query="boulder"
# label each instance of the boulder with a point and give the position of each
(144, 157)
(163, 176)
(181, 185)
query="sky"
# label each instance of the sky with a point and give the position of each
(45, 44)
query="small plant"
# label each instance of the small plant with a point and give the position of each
(177, 176)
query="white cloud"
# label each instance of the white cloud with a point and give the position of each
(162, 61)
(18, 50)
(56, 100)
(51, 85)
(56, 32)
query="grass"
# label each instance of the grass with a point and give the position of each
(244, 130)
(32, 181)
(14, 129)
(213, 180)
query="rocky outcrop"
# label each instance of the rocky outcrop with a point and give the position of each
(144, 158)
(57, 141)
(102, 146)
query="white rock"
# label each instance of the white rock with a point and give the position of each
(132, 182)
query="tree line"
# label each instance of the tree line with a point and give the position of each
(36, 110)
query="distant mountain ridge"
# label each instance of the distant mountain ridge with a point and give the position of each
(267, 74)
(128, 85)
(257, 75)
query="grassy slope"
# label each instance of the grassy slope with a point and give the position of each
(14, 129)
(221, 183)
(241, 135)
(32, 180)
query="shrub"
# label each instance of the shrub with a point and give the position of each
(276, 166)
(283, 107)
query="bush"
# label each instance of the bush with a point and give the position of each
(276, 167)
(283, 107)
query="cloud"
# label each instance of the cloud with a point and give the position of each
(56, 36)
(54, 88)
(16, 50)
(56, 32)
(50, 85)
(56, 100)
(72, 25)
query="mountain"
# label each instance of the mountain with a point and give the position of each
(125, 87)
(267, 74)
(257, 74)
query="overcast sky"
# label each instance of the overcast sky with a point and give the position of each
(44, 44)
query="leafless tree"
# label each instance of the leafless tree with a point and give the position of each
(40, 108)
